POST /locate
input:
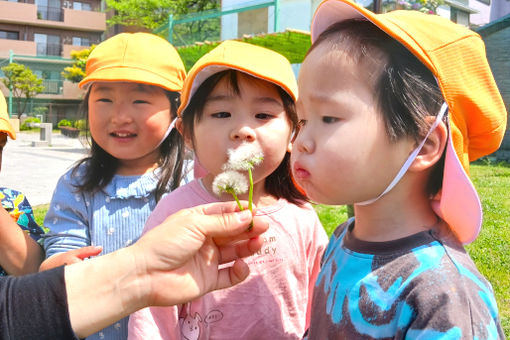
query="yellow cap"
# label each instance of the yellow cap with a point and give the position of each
(5, 126)
(136, 57)
(254, 60)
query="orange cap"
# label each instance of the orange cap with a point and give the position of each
(5, 125)
(477, 115)
(136, 57)
(254, 60)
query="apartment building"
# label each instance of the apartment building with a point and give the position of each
(41, 34)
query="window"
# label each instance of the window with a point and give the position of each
(9, 35)
(49, 10)
(79, 41)
(81, 6)
(47, 44)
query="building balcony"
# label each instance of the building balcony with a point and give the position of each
(60, 89)
(17, 47)
(84, 20)
(66, 49)
(61, 18)
(31, 48)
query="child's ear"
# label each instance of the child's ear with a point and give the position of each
(433, 148)
(179, 126)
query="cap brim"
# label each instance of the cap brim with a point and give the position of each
(6, 127)
(208, 70)
(459, 204)
(330, 12)
(131, 75)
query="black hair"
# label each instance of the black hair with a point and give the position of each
(406, 90)
(279, 183)
(101, 166)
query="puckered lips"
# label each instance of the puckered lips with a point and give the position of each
(300, 172)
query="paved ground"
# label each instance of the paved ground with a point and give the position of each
(35, 170)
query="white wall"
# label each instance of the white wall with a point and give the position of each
(295, 14)
(483, 16)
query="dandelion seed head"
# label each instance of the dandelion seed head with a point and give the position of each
(230, 181)
(244, 158)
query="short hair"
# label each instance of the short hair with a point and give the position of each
(406, 90)
(279, 183)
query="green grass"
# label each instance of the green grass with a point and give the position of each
(40, 212)
(490, 251)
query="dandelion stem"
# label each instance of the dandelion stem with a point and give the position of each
(250, 192)
(250, 197)
(232, 192)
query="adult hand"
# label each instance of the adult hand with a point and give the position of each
(201, 239)
(173, 263)
(70, 257)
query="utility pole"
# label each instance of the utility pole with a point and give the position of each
(11, 55)
(377, 6)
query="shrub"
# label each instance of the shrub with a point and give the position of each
(65, 122)
(26, 124)
(80, 124)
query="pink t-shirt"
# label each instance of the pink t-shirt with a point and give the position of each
(272, 303)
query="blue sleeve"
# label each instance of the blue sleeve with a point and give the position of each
(66, 219)
(17, 205)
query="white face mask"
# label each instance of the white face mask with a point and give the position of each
(411, 158)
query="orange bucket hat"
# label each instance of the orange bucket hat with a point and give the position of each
(254, 60)
(477, 115)
(5, 125)
(136, 57)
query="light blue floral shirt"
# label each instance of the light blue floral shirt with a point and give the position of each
(112, 218)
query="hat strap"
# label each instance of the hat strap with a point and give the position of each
(411, 158)
(170, 128)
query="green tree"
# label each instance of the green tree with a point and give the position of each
(76, 72)
(23, 83)
(151, 14)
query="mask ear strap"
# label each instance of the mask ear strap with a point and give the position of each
(411, 158)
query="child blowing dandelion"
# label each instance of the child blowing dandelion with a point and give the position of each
(247, 117)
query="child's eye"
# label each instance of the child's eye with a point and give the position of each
(139, 101)
(329, 120)
(104, 100)
(263, 116)
(221, 115)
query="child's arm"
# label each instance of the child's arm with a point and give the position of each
(70, 257)
(67, 219)
(19, 254)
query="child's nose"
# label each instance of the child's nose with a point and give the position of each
(121, 115)
(243, 133)
(303, 144)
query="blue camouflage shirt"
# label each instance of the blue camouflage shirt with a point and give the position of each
(420, 286)
(21, 211)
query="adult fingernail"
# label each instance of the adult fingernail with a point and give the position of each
(244, 216)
